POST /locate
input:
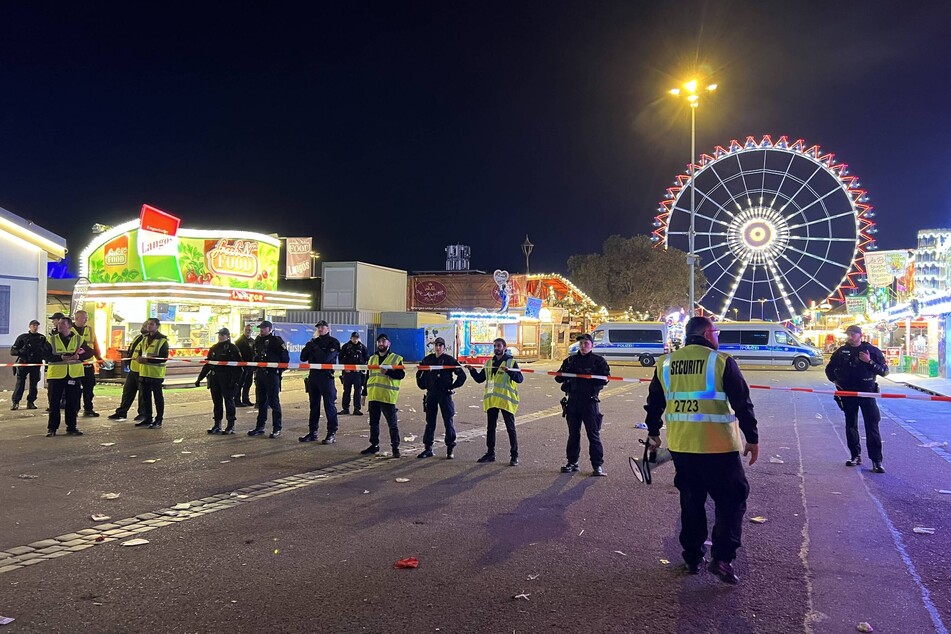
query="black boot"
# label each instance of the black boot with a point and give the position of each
(310, 437)
(330, 439)
(426, 453)
(216, 428)
(230, 428)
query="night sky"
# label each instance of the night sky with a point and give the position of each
(390, 130)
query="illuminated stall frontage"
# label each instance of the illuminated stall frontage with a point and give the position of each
(194, 281)
(534, 314)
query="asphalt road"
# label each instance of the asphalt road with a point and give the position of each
(280, 536)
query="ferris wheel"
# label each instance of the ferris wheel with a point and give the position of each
(778, 225)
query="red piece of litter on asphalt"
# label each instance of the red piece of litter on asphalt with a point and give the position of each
(409, 562)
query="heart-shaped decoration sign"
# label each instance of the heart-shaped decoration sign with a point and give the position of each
(501, 277)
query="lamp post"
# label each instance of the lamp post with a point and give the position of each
(690, 88)
(762, 308)
(527, 250)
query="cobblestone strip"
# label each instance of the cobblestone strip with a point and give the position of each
(18, 557)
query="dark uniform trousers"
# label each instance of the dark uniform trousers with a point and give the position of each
(268, 386)
(439, 401)
(871, 416)
(388, 410)
(33, 374)
(584, 412)
(129, 390)
(721, 476)
(244, 387)
(322, 389)
(150, 389)
(89, 385)
(222, 397)
(352, 381)
(493, 419)
(71, 389)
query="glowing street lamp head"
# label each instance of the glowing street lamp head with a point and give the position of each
(675, 92)
(711, 87)
(691, 86)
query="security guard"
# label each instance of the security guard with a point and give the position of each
(65, 352)
(80, 318)
(269, 348)
(854, 367)
(353, 353)
(320, 383)
(501, 395)
(383, 388)
(152, 362)
(28, 348)
(131, 386)
(582, 405)
(245, 344)
(694, 389)
(222, 380)
(439, 386)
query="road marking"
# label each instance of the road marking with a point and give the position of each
(17, 557)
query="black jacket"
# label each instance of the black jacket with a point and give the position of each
(354, 353)
(246, 346)
(479, 375)
(846, 370)
(29, 347)
(322, 349)
(583, 389)
(440, 380)
(270, 349)
(734, 385)
(222, 351)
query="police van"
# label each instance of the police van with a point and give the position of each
(619, 341)
(762, 343)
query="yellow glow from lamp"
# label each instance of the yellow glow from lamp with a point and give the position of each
(691, 86)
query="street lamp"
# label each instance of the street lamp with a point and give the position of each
(527, 250)
(690, 90)
(762, 308)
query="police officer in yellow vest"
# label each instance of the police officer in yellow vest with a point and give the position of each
(65, 353)
(152, 360)
(694, 389)
(501, 395)
(89, 378)
(131, 386)
(383, 388)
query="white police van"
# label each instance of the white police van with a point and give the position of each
(619, 341)
(763, 343)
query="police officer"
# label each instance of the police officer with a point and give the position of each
(439, 386)
(152, 361)
(80, 317)
(222, 380)
(694, 389)
(582, 406)
(353, 353)
(383, 388)
(854, 367)
(269, 348)
(245, 344)
(131, 386)
(28, 348)
(501, 395)
(65, 352)
(54, 321)
(320, 383)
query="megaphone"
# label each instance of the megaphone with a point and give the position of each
(652, 459)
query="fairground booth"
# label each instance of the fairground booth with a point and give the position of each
(195, 281)
(535, 314)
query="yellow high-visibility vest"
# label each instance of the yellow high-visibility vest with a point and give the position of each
(64, 369)
(152, 370)
(134, 353)
(380, 387)
(500, 390)
(698, 413)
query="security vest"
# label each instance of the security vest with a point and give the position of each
(134, 351)
(380, 387)
(698, 413)
(64, 369)
(500, 391)
(152, 370)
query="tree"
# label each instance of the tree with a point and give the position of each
(633, 273)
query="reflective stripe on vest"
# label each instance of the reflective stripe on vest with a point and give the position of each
(64, 369)
(698, 413)
(380, 387)
(500, 391)
(152, 370)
